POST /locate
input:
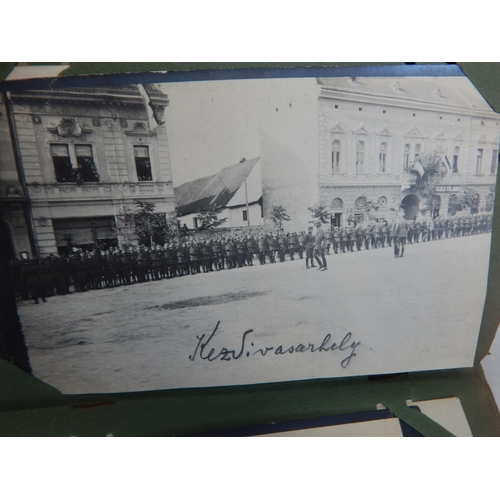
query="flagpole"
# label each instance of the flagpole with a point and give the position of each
(246, 202)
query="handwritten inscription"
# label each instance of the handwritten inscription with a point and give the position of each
(204, 351)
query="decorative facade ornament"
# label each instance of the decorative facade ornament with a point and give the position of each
(139, 129)
(385, 133)
(414, 132)
(68, 127)
(42, 221)
(337, 130)
(361, 131)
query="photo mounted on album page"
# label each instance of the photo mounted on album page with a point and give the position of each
(175, 234)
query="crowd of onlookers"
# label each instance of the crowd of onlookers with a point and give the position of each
(79, 271)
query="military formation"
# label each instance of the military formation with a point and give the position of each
(81, 271)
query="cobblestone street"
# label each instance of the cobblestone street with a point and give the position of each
(419, 312)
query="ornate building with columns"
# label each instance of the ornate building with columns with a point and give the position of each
(372, 129)
(80, 157)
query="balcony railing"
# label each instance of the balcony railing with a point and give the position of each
(117, 190)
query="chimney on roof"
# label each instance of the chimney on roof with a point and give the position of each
(243, 160)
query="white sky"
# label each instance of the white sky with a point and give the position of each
(212, 125)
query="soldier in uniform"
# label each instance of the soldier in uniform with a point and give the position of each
(32, 280)
(155, 263)
(368, 235)
(399, 233)
(359, 235)
(417, 227)
(261, 242)
(336, 239)
(343, 238)
(249, 251)
(47, 274)
(240, 251)
(411, 231)
(309, 245)
(273, 248)
(319, 247)
(385, 231)
(350, 237)
(300, 247)
(228, 250)
(281, 246)
(328, 235)
(78, 272)
(293, 244)
(377, 235)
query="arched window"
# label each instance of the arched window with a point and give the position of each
(494, 161)
(479, 160)
(406, 157)
(382, 158)
(454, 165)
(337, 203)
(335, 156)
(490, 201)
(418, 150)
(140, 128)
(360, 203)
(360, 156)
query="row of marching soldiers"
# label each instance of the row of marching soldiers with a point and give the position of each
(378, 234)
(81, 271)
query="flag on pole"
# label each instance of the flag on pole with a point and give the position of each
(418, 167)
(152, 118)
(446, 163)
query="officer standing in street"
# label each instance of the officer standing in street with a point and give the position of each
(319, 247)
(309, 246)
(399, 233)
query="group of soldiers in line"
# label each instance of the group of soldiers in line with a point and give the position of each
(378, 234)
(81, 271)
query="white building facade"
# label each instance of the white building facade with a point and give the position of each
(372, 129)
(86, 155)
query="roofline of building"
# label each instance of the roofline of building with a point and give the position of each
(81, 96)
(396, 102)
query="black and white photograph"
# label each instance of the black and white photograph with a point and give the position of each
(241, 231)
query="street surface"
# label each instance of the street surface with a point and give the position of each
(420, 312)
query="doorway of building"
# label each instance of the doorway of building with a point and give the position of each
(336, 219)
(410, 204)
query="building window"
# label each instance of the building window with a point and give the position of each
(418, 150)
(74, 163)
(454, 165)
(245, 216)
(490, 201)
(382, 157)
(479, 160)
(494, 161)
(360, 156)
(406, 157)
(142, 163)
(337, 204)
(85, 161)
(336, 156)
